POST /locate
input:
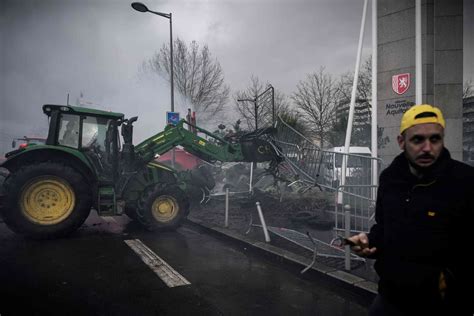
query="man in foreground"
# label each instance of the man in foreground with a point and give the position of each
(424, 214)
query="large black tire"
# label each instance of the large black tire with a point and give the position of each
(163, 207)
(46, 200)
(131, 212)
(3, 176)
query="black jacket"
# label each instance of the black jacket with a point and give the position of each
(425, 227)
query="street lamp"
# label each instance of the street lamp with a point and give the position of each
(140, 7)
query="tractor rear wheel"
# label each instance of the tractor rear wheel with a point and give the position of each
(46, 200)
(163, 207)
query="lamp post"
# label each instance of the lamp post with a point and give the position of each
(140, 7)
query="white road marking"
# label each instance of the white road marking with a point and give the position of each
(169, 275)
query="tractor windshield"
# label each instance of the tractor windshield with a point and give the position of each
(94, 131)
(97, 142)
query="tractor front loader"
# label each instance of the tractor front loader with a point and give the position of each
(48, 190)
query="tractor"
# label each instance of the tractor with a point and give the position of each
(48, 190)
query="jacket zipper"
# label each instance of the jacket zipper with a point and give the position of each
(410, 192)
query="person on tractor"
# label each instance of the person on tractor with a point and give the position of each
(70, 136)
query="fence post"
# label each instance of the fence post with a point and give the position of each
(262, 220)
(251, 178)
(226, 220)
(347, 233)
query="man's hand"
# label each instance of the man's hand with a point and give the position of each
(361, 245)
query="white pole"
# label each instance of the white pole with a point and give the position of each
(262, 220)
(173, 153)
(251, 178)
(353, 96)
(347, 233)
(418, 48)
(226, 220)
(374, 100)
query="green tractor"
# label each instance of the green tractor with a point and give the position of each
(48, 190)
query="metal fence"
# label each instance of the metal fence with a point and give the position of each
(354, 197)
(265, 107)
(307, 167)
(322, 167)
(359, 201)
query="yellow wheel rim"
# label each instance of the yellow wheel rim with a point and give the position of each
(165, 208)
(47, 200)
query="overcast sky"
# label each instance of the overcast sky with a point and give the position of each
(52, 48)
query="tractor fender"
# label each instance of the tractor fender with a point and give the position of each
(43, 153)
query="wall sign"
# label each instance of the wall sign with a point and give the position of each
(398, 107)
(400, 83)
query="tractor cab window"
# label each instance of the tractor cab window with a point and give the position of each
(97, 139)
(69, 130)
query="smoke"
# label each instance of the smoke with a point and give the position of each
(89, 51)
(54, 48)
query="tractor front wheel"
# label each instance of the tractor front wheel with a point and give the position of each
(46, 200)
(163, 207)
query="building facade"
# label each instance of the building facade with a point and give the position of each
(442, 74)
(468, 130)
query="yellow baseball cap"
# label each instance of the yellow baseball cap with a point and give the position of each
(421, 114)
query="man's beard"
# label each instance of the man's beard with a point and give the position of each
(422, 169)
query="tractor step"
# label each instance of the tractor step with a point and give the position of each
(106, 204)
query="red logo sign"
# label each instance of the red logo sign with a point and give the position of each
(401, 83)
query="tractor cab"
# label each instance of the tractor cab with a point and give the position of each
(92, 132)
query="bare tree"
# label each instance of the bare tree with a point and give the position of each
(293, 119)
(363, 104)
(317, 98)
(364, 83)
(198, 77)
(468, 89)
(263, 115)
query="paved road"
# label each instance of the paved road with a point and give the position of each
(95, 272)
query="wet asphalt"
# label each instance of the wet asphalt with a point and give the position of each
(94, 272)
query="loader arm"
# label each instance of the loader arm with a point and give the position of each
(212, 149)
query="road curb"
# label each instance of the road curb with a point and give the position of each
(366, 289)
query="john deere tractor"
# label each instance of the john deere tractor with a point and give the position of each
(48, 190)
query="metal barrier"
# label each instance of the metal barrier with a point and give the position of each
(354, 203)
(300, 152)
(305, 167)
(322, 167)
(359, 167)
(359, 201)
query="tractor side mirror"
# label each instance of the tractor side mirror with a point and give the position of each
(132, 119)
(127, 130)
(13, 144)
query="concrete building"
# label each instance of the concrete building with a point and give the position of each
(361, 122)
(468, 130)
(442, 75)
(362, 113)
